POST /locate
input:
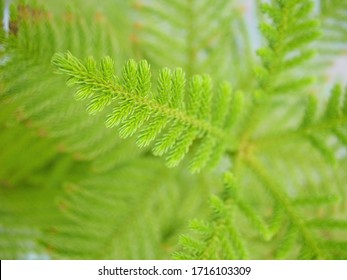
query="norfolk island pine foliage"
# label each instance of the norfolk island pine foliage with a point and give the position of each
(186, 139)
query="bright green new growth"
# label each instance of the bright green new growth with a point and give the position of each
(73, 188)
(289, 33)
(220, 237)
(176, 116)
(333, 119)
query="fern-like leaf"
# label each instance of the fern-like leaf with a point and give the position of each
(289, 31)
(333, 17)
(175, 116)
(219, 238)
(332, 121)
(223, 46)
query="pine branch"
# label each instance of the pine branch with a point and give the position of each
(309, 239)
(286, 201)
(218, 238)
(27, 206)
(186, 113)
(334, 116)
(333, 15)
(316, 126)
(304, 228)
(42, 96)
(224, 45)
(291, 224)
(289, 32)
(108, 216)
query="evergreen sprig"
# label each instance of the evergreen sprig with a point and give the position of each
(176, 116)
(332, 120)
(289, 30)
(192, 50)
(333, 15)
(218, 238)
(81, 192)
(317, 125)
(223, 46)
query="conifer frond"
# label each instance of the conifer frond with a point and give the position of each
(333, 15)
(122, 214)
(289, 30)
(72, 189)
(332, 121)
(185, 111)
(280, 216)
(26, 203)
(309, 230)
(169, 33)
(219, 238)
(16, 135)
(318, 125)
(38, 93)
